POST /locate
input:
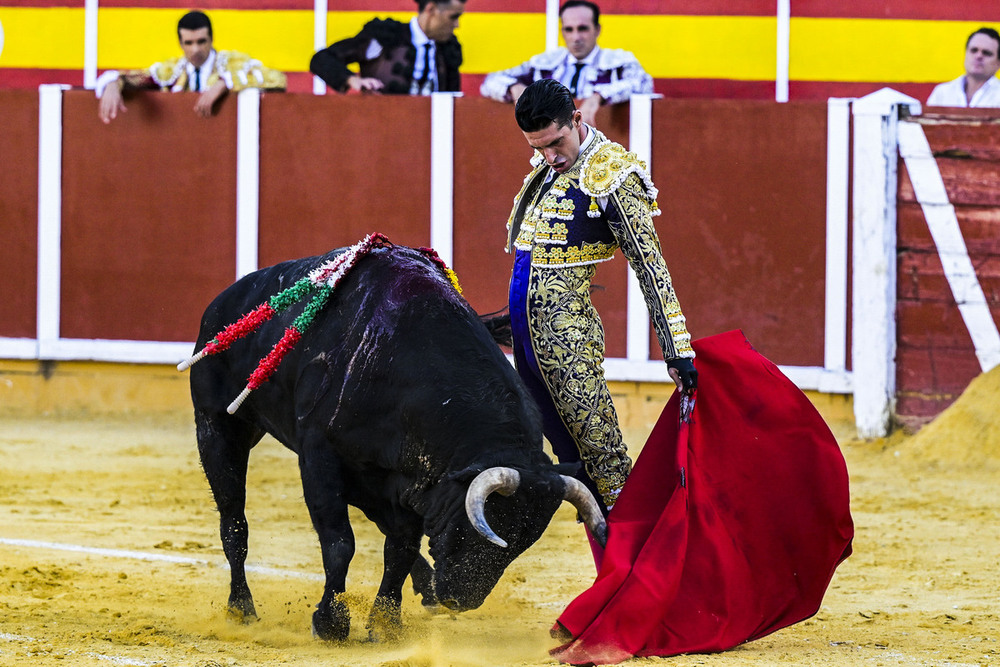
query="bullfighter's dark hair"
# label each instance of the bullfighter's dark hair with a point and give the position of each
(569, 4)
(542, 103)
(194, 20)
(989, 32)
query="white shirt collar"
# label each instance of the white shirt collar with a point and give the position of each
(418, 36)
(589, 60)
(204, 71)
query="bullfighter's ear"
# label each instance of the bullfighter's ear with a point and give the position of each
(569, 469)
(466, 474)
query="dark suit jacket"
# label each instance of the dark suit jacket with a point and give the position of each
(393, 67)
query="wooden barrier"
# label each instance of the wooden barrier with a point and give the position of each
(940, 347)
(146, 219)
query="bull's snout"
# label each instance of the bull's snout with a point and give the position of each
(452, 604)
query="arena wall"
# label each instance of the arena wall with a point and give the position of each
(144, 225)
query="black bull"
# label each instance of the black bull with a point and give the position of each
(397, 401)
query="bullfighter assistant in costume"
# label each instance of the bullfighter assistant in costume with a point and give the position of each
(415, 58)
(201, 69)
(585, 197)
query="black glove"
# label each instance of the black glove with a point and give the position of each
(688, 373)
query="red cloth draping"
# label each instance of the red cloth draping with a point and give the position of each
(730, 526)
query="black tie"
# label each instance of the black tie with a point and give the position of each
(576, 78)
(196, 85)
(427, 68)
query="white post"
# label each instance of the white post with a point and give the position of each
(49, 216)
(247, 180)
(551, 24)
(319, 39)
(640, 142)
(782, 50)
(442, 174)
(873, 330)
(90, 44)
(838, 131)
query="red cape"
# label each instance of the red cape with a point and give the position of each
(730, 525)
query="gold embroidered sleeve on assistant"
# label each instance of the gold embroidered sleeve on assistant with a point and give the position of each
(630, 216)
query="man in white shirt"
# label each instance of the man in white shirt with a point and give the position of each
(202, 69)
(595, 76)
(979, 86)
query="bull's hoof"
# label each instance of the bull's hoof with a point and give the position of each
(242, 610)
(331, 623)
(385, 622)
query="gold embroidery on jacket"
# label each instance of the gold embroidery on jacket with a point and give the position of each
(640, 245)
(568, 341)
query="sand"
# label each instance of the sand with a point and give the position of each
(109, 555)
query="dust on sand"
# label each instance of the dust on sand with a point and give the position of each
(921, 588)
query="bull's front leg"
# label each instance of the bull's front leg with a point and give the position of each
(399, 553)
(323, 490)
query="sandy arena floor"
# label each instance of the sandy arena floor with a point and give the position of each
(109, 555)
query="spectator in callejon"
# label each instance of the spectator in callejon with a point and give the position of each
(978, 87)
(201, 69)
(416, 58)
(594, 76)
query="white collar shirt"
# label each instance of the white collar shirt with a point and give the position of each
(422, 43)
(952, 94)
(204, 72)
(587, 73)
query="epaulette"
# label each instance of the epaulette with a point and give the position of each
(607, 167)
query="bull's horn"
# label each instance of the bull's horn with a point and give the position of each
(580, 497)
(501, 480)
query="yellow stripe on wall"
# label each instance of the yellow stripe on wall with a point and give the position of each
(493, 42)
(697, 47)
(42, 37)
(138, 37)
(877, 49)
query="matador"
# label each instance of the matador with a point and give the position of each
(585, 197)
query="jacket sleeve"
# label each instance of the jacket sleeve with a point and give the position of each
(497, 85)
(240, 71)
(632, 79)
(630, 213)
(330, 64)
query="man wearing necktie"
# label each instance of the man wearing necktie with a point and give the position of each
(594, 76)
(202, 69)
(415, 58)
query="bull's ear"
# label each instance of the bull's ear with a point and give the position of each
(568, 469)
(466, 474)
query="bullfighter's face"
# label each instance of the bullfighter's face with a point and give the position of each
(559, 144)
(982, 57)
(197, 44)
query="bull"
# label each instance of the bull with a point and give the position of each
(397, 401)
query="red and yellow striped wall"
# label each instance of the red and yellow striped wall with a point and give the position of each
(711, 48)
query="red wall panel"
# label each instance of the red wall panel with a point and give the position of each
(149, 209)
(743, 195)
(19, 213)
(337, 168)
